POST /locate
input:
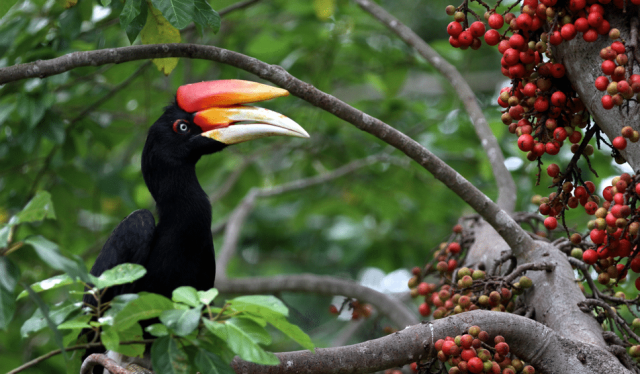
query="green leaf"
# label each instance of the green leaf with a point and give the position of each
(216, 328)
(262, 305)
(167, 357)
(205, 15)
(119, 274)
(206, 297)
(80, 322)
(49, 253)
(57, 336)
(4, 235)
(37, 209)
(257, 333)
(294, 332)
(241, 344)
(182, 322)
(109, 337)
(157, 329)
(158, 30)
(131, 334)
(146, 306)
(105, 3)
(5, 5)
(117, 304)
(48, 284)
(38, 321)
(179, 13)
(186, 295)
(9, 274)
(207, 362)
(7, 308)
(133, 17)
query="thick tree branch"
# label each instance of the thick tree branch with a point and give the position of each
(506, 185)
(100, 359)
(236, 219)
(531, 341)
(392, 307)
(513, 234)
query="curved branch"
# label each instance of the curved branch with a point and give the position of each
(393, 308)
(506, 186)
(531, 341)
(234, 224)
(513, 234)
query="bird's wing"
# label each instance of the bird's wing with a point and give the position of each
(129, 242)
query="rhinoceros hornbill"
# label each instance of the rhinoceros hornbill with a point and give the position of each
(205, 118)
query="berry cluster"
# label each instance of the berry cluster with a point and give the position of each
(357, 308)
(568, 198)
(620, 142)
(621, 87)
(615, 230)
(471, 353)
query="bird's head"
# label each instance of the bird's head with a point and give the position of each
(208, 116)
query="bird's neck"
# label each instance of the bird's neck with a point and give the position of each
(179, 197)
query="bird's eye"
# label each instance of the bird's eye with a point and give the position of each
(181, 127)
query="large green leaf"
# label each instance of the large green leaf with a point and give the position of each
(146, 306)
(48, 284)
(44, 309)
(5, 5)
(133, 18)
(205, 15)
(119, 274)
(265, 306)
(258, 334)
(7, 308)
(37, 209)
(179, 13)
(134, 332)
(293, 331)
(207, 362)
(182, 322)
(49, 253)
(9, 274)
(186, 295)
(167, 357)
(206, 297)
(38, 320)
(243, 345)
(158, 30)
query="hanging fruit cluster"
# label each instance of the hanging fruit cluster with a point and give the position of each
(541, 106)
(471, 353)
(358, 309)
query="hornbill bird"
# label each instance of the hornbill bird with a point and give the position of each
(204, 119)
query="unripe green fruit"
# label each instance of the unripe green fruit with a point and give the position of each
(634, 351)
(620, 295)
(413, 282)
(474, 331)
(576, 253)
(604, 278)
(450, 9)
(463, 271)
(459, 16)
(517, 364)
(467, 281)
(483, 300)
(526, 282)
(636, 323)
(478, 274)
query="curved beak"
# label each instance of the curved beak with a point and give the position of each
(217, 113)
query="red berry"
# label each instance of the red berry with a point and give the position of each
(465, 38)
(604, 27)
(568, 31)
(575, 5)
(454, 248)
(596, 8)
(511, 56)
(638, 283)
(555, 38)
(607, 102)
(496, 21)
(541, 104)
(619, 143)
(333, 309)
(502, 348)
(454, 42)
(560, 134)
(525, 142)
(618, 47)
(608, 67)
(550, 223)
(590, 36)
(424, 309)
(553, 170)
(581, 24)
(598, 236)
(454, 29)
(601, 83)
(475, 364)
(552, 148)
(590, 207)
(558, 99)
(423, 289)
(595, 19)
(524, 22)
(477, 29)
(492, 37)
(557, 70)
(589, 257)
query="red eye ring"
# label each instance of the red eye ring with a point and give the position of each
(180, 126)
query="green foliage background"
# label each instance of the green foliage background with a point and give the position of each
(70, 136)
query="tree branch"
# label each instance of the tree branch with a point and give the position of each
(531, 341)
(236, 219)
(392, 307)
(506, 186)
(513, 234)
